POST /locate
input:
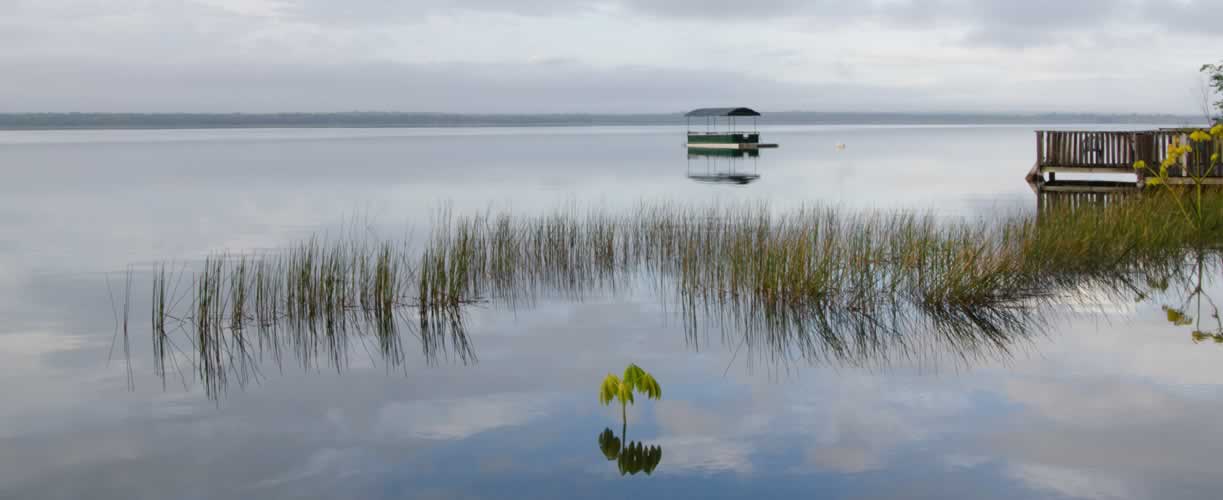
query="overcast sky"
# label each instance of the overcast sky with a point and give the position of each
(606, 55)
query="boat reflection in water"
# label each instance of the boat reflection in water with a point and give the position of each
(723, 166)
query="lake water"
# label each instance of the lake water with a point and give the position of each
(1101, 397)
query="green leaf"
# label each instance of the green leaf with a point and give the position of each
(609, 444)
(609, 389)
(625, 393)
(641, 381)
(650, 387)
(633, 373)
(636, 458)
(1177, 316)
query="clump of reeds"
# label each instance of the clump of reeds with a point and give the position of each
(817, 264)
(313, 299)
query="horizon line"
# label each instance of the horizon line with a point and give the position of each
(598, 113)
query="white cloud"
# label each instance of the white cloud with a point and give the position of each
(708, 454)
(335, 464)
(459, 418)
(1068, 482)
(1097, 402)
(854, 425)
(24, 351)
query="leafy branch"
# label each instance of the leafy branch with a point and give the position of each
(1214, 74)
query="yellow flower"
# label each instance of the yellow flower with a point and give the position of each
(1170, 161)
(1217, 130)
(1199, 136)
(1142, 165)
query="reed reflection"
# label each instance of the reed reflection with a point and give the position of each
(886, 332)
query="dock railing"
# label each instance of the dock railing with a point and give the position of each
(1117, 151)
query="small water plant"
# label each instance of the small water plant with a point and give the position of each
(621, 389)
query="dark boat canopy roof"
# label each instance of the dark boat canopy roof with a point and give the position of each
(723, 112)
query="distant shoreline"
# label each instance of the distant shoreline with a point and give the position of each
(144, 121)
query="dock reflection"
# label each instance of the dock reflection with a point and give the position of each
(723, 166)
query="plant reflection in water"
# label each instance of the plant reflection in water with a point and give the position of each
(632, 458)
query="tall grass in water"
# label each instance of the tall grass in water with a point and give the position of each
(816, 268)
(312, 301)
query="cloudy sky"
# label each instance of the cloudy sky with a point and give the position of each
(606, 55)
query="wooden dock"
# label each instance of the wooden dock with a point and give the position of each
(1113, 152)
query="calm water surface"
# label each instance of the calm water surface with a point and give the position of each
(1102, 398)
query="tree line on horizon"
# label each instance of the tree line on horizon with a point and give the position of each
(90, 120)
